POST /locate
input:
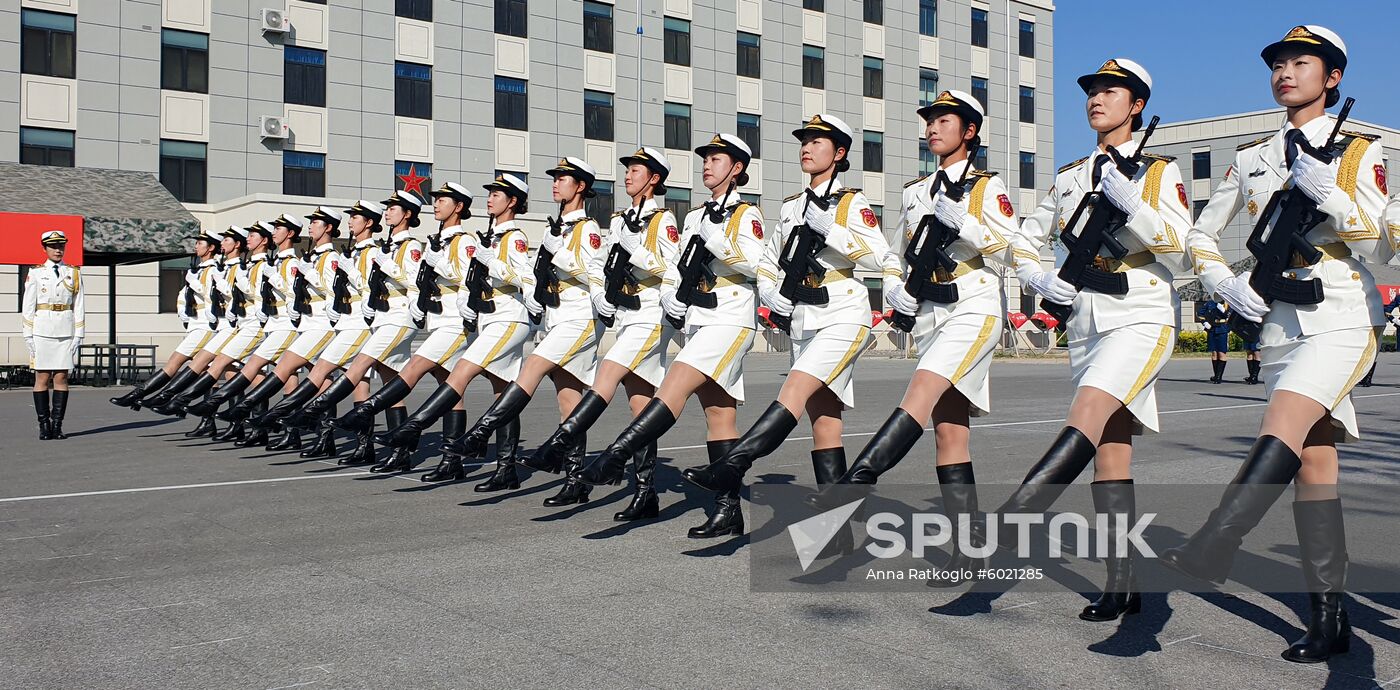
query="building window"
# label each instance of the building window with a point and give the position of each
(304, 76)
(49, 44)
(183, 170)
(874, 157)
(678, 202)
(413, 90)
(597, 26)
(512, 104)
(511, 16)
(303, 174)
(676, 42)
(979, 27)
(677, 135)
(1027, 38)
(422, 10)
(814, 5)
(1196, 208)
(979, 91)
(749, 132)
(598, 115)
(412, 176)
(184, 61)
(600, 207)
(874, 12)
(928, 17)
(928, 163)
(1027, 170)
(750, 199)
(928, 87)
(747, 56)
(1200, 165)
(46, 147)
(874, 78)
(170, 284)
(813, 67)
(1027, 104)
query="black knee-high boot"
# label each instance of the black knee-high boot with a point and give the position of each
(1322, 543)
(1061, 464)
(1116, 499)
(644, 501)
(364, 452)
(764, 437)
(288, 439)
(437, 404)
(828, 466)
(305, 390)
(41, 410)
(385, 398)
(728, 517)
(401, 459)
(226, 394)
(181, 380)
(175, 407)
(206, 427)
(507, 454)
(886, 448)
(260, 393)
(550, 455)
(449, 469)
(508, 405)
(324, 447)
(57, 409)
(573, 491)
(1217, 367)
(256, 436)
(959, 487)
(1209, 553)
(1253, 365)
(133, 397)
(311, 413)
(234, 432)
(609, 466)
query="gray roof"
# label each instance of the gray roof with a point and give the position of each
(124, 212)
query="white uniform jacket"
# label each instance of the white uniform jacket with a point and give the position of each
(53, 301)
(737, 244)
(579, 269)
(506, 255)
(660, 235)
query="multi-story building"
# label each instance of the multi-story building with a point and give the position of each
(247, 108)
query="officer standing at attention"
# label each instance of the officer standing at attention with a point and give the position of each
(53, 330)
(1216, 319)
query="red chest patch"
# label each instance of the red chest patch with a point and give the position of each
(868, 216)
(1380, 179)
(595, 241)
(758, 230)
(415, 255)
(673, 234)
(520, 246)
(1181, 194)
(1004, 202)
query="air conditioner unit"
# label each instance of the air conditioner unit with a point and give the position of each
(275, 21)
(272, 127)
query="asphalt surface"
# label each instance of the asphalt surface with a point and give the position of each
(131, 557)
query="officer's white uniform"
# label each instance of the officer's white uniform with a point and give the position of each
(643, 333)
(53, 315)
(391, 341)
(195, 309)
(571, 329)
(446, 339)
(351, 330)
(278, 331)
(1319, 350)
(242, 280)
(827, 338)
(499, 344)
(314, 329)
(956, 340)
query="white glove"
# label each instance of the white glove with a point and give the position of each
(306, 267)
(1049, 285)
(184, 320)
(775, 301)
(531, 305)
(1317, 179)
(77, 343)
(899, 298)
(331, 314)
(367, 311)
(602, 305)
(708, 229)
(673, 307)
(631, 242)
(29, 345)
(552, 243)
(463, 310)
(950, 213)
(262, 318)
(434, 259)
(818, 220)
(1242, 298)
(414, 312)
(385, 261)
(1121, 191)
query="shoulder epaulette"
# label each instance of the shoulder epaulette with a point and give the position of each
(848, 190)
(693, 210)
(1158, 157)
(913, 182)
(982, 173)
(1359, 135)
(794, 196)
(1071, 165)
(1254, 143)
(617, 214)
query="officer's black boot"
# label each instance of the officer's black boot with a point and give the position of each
(886, 448)
(226, 394)
(959, 488)
(573, 491)
(610, 465)
(1253, 365)
(312, 412)
(764, 437)
(508, 405)
(1057, 469)
(181, 380)
(234, 432)
(362, 414)
(133, 397)
(304, 391)
(364, 453)
(289, 440)
(728, 518)
(401, 459)
(41, 410)
(256, 398)
(197, 389)
(1217, 367)
(644, 502)
(449, 469)
(57, 410)
(1322, 544)
(1116, 499)
(1209, 553)
(256, 436)
(829, 465)
(550, 455)
(437, 404)
(1365, 381)
(324, 447)
(207, 427)
(507, 454)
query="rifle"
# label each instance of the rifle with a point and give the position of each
(697, 278)
(239, 305)
(190, 310)
(799, 262)
(429, 294)
(340, 291)
(268, 297)
(378, 280)
(1296, 215)
(216, 298)
(301, 292)
(478, 280)
(1099, 233)
(546, 281)
(927, 256)
(621, 287)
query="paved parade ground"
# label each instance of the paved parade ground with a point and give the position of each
(135, 558)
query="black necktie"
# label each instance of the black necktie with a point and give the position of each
(1293, 140)
(1099, 162)
(714, 211)
(940, 181)
(56, 271)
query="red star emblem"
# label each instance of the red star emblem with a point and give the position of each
(413, 182)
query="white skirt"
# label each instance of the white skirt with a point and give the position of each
(391, 345)
(194, 341)
(718, 351)
(274, 343)
(310, 344)
(573, 346)
(243, 342)
(216, 344)
(1324, 367)
(830, 357)
(1124, 363)
(344, 346)
(499, 347)
(641, 347)
(443, 344)
(52, 354)
(959, 348)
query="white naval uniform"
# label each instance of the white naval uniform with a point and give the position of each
(644, 333)
(279, 331)
(446, 340)
(956, 340)
(1119, 343)
(248, 330)
(827, 338)
(53, 314)
(225, 325)
(718, 339)
(499, 345)
(1319, 350)
(313, 329)
(351, 331)
(391, 341)
(195, 309)
(571, 330)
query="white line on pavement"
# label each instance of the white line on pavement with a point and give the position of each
(199, 644)
(1184, 639)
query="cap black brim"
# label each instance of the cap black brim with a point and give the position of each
(1326, 51)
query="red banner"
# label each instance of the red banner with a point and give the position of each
(1388, 292)
(23, 230)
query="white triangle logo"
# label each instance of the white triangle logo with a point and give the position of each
(810, 536)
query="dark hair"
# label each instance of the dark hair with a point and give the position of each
(1334, 94)
(413, 221)
(522, 203)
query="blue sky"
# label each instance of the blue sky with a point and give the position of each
(1204, 56)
